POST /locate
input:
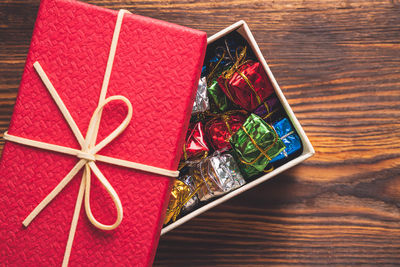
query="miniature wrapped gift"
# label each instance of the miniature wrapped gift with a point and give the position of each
(222, 54)
(201, 103)
(246, 83)
(220, 129)
(220, 102)
(183, 195)
(89, 101)
(193, 199)
(216, 175)
(221, 61)
(195, 146)
(270, 110)
(289, 138)
(255, 144)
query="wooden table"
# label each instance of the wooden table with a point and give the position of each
(338, 63)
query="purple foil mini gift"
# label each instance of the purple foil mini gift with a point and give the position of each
(270, 110)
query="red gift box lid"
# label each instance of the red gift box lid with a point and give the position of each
(157, 66)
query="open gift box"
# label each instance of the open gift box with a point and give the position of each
(96, 135)
(302, 154)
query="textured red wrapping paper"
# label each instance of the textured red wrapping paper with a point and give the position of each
(157, 66)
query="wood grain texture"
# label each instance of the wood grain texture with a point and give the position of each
(338, 63)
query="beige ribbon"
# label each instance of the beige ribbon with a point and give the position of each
(88, 153)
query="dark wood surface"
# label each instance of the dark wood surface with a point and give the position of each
(338, 63)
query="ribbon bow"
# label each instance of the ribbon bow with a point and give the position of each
(88, 153)
(240, 60)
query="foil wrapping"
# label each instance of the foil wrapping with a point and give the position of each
(217, 175)
(255, 144)
(246, 83)
(179, 195)
(220, 129)
(270, 110)
(289, 138)
(195, 146)
(201, 103)
(220, 101)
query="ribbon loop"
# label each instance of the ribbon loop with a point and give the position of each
(92, 134)
(111, 192)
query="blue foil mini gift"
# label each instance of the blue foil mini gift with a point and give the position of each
(289, 137)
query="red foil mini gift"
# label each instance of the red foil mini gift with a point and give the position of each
(246, 83)
(220, 129)
(195, 146)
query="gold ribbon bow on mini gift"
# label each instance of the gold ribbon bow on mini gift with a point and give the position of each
(240, 61)
(87, 155)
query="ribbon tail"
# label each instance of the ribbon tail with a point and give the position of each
(111, 192)
(107, 74)
(57, 99)
(74, 222)
(53, 193)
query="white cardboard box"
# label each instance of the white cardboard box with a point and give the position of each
(308, 150)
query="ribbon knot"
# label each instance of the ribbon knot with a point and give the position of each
(88, 153)
(86, 156)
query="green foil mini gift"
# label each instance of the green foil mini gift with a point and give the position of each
(220, 102)
(255, 144)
